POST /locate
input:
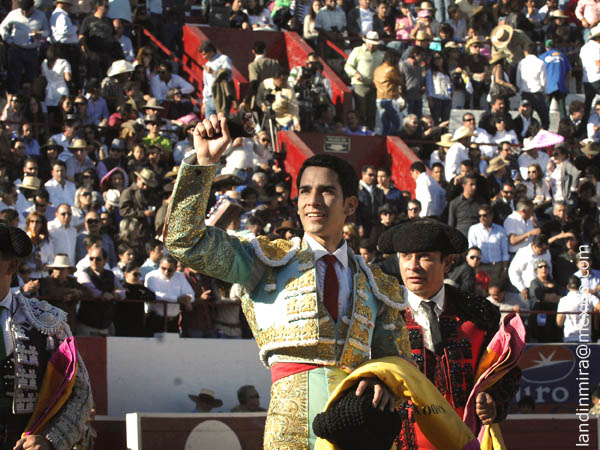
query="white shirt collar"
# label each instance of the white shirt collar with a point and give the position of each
(367, 187)
(7, 300)
(414, 300)
(341, 253)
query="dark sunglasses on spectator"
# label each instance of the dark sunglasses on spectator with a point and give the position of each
(93, 221)
(66, 213)
(483, 215)
(96, 258)
(471, 119)
(474, 257)
(137, 274)
(86, 193)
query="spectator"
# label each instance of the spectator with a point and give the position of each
(138, 200)
(97, 109)
(531, 155)
(393, 196)
(463, 210)
(543, 295)
(215, 62)
(165, 79)
(564, 177)
(80, 161)
(62, 289)
(59, 188)
(63, 236)
(531, 81)
(413, 209)
(458, 152)
(370, 199)
(95, 318)
(590, 59)
(130, 317)
(576, 327)
(537, 187)
(464, 276)
(519, 226)
(507, 302)
(428, 191)
(171, 286)
(249, 400)
(43, 252)
(386, 79)
(521, 271)
(58, 72)
(492, 241)
(124, 40)
(276, 93)
(22, 30)
(412, 86)
(557, 71)
(590, 278)
(525, 125)
(93, 228)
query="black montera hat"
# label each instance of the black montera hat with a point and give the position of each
(422, 235)
(14, 242)
(353, 423)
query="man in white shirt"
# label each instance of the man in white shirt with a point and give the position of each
(428, 191)
(578, 326)
(531, 81)
(215, 61)
(519, 226)
(62, 235)
(458, 152)
(521, 271)
(60, 189)
(171, 286)
(64, 34)
(531, 156)
(155, 251)
(590, 60)
(165, 80)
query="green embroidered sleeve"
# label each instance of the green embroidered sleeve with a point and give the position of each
(208, 250)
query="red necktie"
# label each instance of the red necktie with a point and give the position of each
(330, 288)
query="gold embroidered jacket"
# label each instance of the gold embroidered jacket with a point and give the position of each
(280, 300)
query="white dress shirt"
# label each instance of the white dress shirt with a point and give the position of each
(430, 194)
(218, 62)
(160, 88)
(590, 54)
(531, 75)
(342, 270)
(577, 327)
(521, 271)
(63, 239)
(169, 289)
(61, 194)
(514, 224)
(456, 154)
(420, 315)
(62, 28)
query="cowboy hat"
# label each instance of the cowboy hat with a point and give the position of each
(421, 36)
(152, 104)
(286, 225)
(118, 67)
(473, 41)
(461, 133)
(558, 14)
(148, 177)
(51, 143)
(451, 45)
(501, 35)
(528, 144)
(207, 395)
(595, 32)
(78, 143)
(428, 6)
(112, 197)
(496, 57)
(445, 140)
(372, 37)
(496, 164)
(32, 183)
(61, 261)
(591, 149)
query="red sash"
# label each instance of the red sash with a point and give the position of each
(282, 370)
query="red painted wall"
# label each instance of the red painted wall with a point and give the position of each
(376, 150)
(288, 48)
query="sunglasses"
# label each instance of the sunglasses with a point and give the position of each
(93, 221)
(483, 215)
(65, 214)
(542, 266)
(507, 192)
(137, 274)
(85, 194)
(96, 258)
(472, 119)
(474, 257)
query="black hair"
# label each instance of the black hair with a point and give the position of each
(151, 245)
(59, 162)
(242, 393)
(391, 56)
(466, 178)
(368, 244)
(259, 47)
(437, 164)
(418, 165)
(573, 282)
(540, 240)
(367, 167)
(386, 170)
(347, 177)
(208, 46)
(130, 267)
(169, 259)
(122, 248)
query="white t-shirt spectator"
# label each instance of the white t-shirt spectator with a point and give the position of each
(577, 327)
(168, 289)
(589, 54)
(514, 224)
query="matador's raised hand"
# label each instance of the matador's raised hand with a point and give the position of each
(211, 138)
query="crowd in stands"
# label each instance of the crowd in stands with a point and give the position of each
(97, 120)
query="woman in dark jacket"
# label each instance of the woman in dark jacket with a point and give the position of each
(129, 319)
